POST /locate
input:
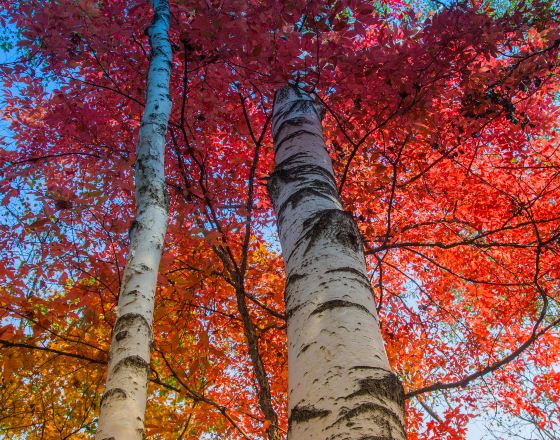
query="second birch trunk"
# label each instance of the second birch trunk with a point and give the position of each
(340, 384)
(124, 402)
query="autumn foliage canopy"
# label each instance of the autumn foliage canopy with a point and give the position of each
(442, 123)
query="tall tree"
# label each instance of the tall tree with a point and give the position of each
(338, 372)
(123, 404)
(441, 124)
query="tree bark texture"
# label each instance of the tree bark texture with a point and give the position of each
(340, 384)
(124, 402)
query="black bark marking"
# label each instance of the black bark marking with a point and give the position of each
(294, 277)
(337, 303)
(302, 172)
(296, 158)
(367, 367)
(388, 386)
(295, 122)
(304, 348)
(132, 361)
(376, 437)
(301, 414)
(377, 413)
(334, 223)
(296, 90)
(313, 188)
(362, 278)
(144, 268)
(301, 106)
(114, 393)
(288, 171)
(134, 292)
(165, 198)
(290, 312)
(348, 269)
(154, 193)
(273, 187)
(127, 319)
(290, 280)
(279, 121)
(316, 188)
(121, 335)
(134, 227)
(306, 106)
(350, 238)
(282, 94)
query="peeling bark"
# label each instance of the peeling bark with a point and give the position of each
(123, 404)
(340, 385)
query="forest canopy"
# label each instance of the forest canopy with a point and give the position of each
(441, 121)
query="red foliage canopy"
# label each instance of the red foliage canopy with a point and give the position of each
(443, 127)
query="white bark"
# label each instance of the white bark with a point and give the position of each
(340, 385)
(124, 401)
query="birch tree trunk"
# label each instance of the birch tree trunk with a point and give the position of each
(340, 385)
(124, 402)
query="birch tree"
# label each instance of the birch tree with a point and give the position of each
(124, 402)
(340, 384)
